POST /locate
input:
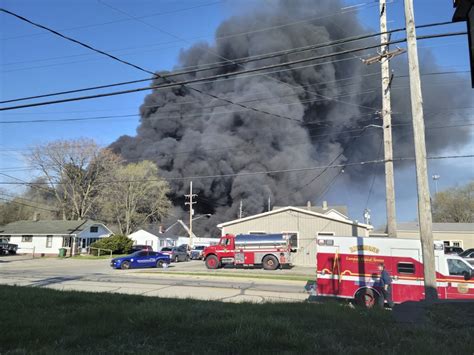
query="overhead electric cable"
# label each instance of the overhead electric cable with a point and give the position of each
(135, 66)
(266, 172)
(224, 63)
(227, 75)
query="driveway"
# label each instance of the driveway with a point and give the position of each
(181, 280)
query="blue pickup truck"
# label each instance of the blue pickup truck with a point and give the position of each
(139, 259)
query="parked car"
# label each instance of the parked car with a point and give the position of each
(6, 247)
(141, 247)
(176, 253)
(453, 250)
(468, 253)
(197, 252)
(139, 259)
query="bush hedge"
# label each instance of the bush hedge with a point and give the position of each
(119, 244)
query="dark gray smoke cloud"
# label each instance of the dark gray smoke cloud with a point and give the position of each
(190, 134)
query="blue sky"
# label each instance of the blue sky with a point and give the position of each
(35, 62)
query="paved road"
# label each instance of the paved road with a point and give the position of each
(98, 276)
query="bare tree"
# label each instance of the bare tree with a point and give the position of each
(455, 205)
(74, 171)
(136, 197)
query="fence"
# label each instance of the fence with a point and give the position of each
(99, 250)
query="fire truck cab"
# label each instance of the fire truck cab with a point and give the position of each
(269, 250)
(347, 267)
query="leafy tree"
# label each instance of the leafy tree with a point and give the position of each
(455, 205)
(119, 244)
(136, 196)
(74, 171)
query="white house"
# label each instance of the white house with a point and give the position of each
(47, 237)
(142, 237)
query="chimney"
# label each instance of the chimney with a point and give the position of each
(36, 216)
(160, 229)
(325, 205)
(308, 205)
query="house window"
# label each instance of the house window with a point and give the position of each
(49, 241)
(94, 229)
(26, 238)
(258, 233)
(67, 242)
(406, 268)
(162, 242)
(457, 243)
(293, 238)
(5, 238)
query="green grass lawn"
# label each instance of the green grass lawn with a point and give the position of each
(36, 320)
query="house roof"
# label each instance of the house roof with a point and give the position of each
(142, 232)
(48, 227)
(294, 209)
(319, 209)
(438, 227)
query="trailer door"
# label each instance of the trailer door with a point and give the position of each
(407, 273)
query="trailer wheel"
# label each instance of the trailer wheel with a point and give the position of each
(270, 262)
(212, 262)
(366, 298)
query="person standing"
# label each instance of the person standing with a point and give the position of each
(386, 284)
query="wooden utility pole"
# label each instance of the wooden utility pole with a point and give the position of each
(384, 58)
(424, 205)
(191, 212)
(387, 125)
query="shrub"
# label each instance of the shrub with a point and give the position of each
(119, 244)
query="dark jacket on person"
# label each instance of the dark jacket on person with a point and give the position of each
(385, 278)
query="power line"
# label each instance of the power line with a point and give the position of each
(206, 67)
(23, 199)
(121, 20)
(260, 92)
(354, 139)
(216, 38)
(267, 172)
(292, 86)
(239, 147)
(131, 65)
(374, 175)
(27, 205)
(227, 75)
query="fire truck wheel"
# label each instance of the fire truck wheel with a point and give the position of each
(270, 262)
(212, 262)
(366, 298)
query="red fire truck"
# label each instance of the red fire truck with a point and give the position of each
(270, 250)
(347, 267)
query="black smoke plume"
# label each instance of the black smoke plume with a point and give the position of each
(189, 134)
